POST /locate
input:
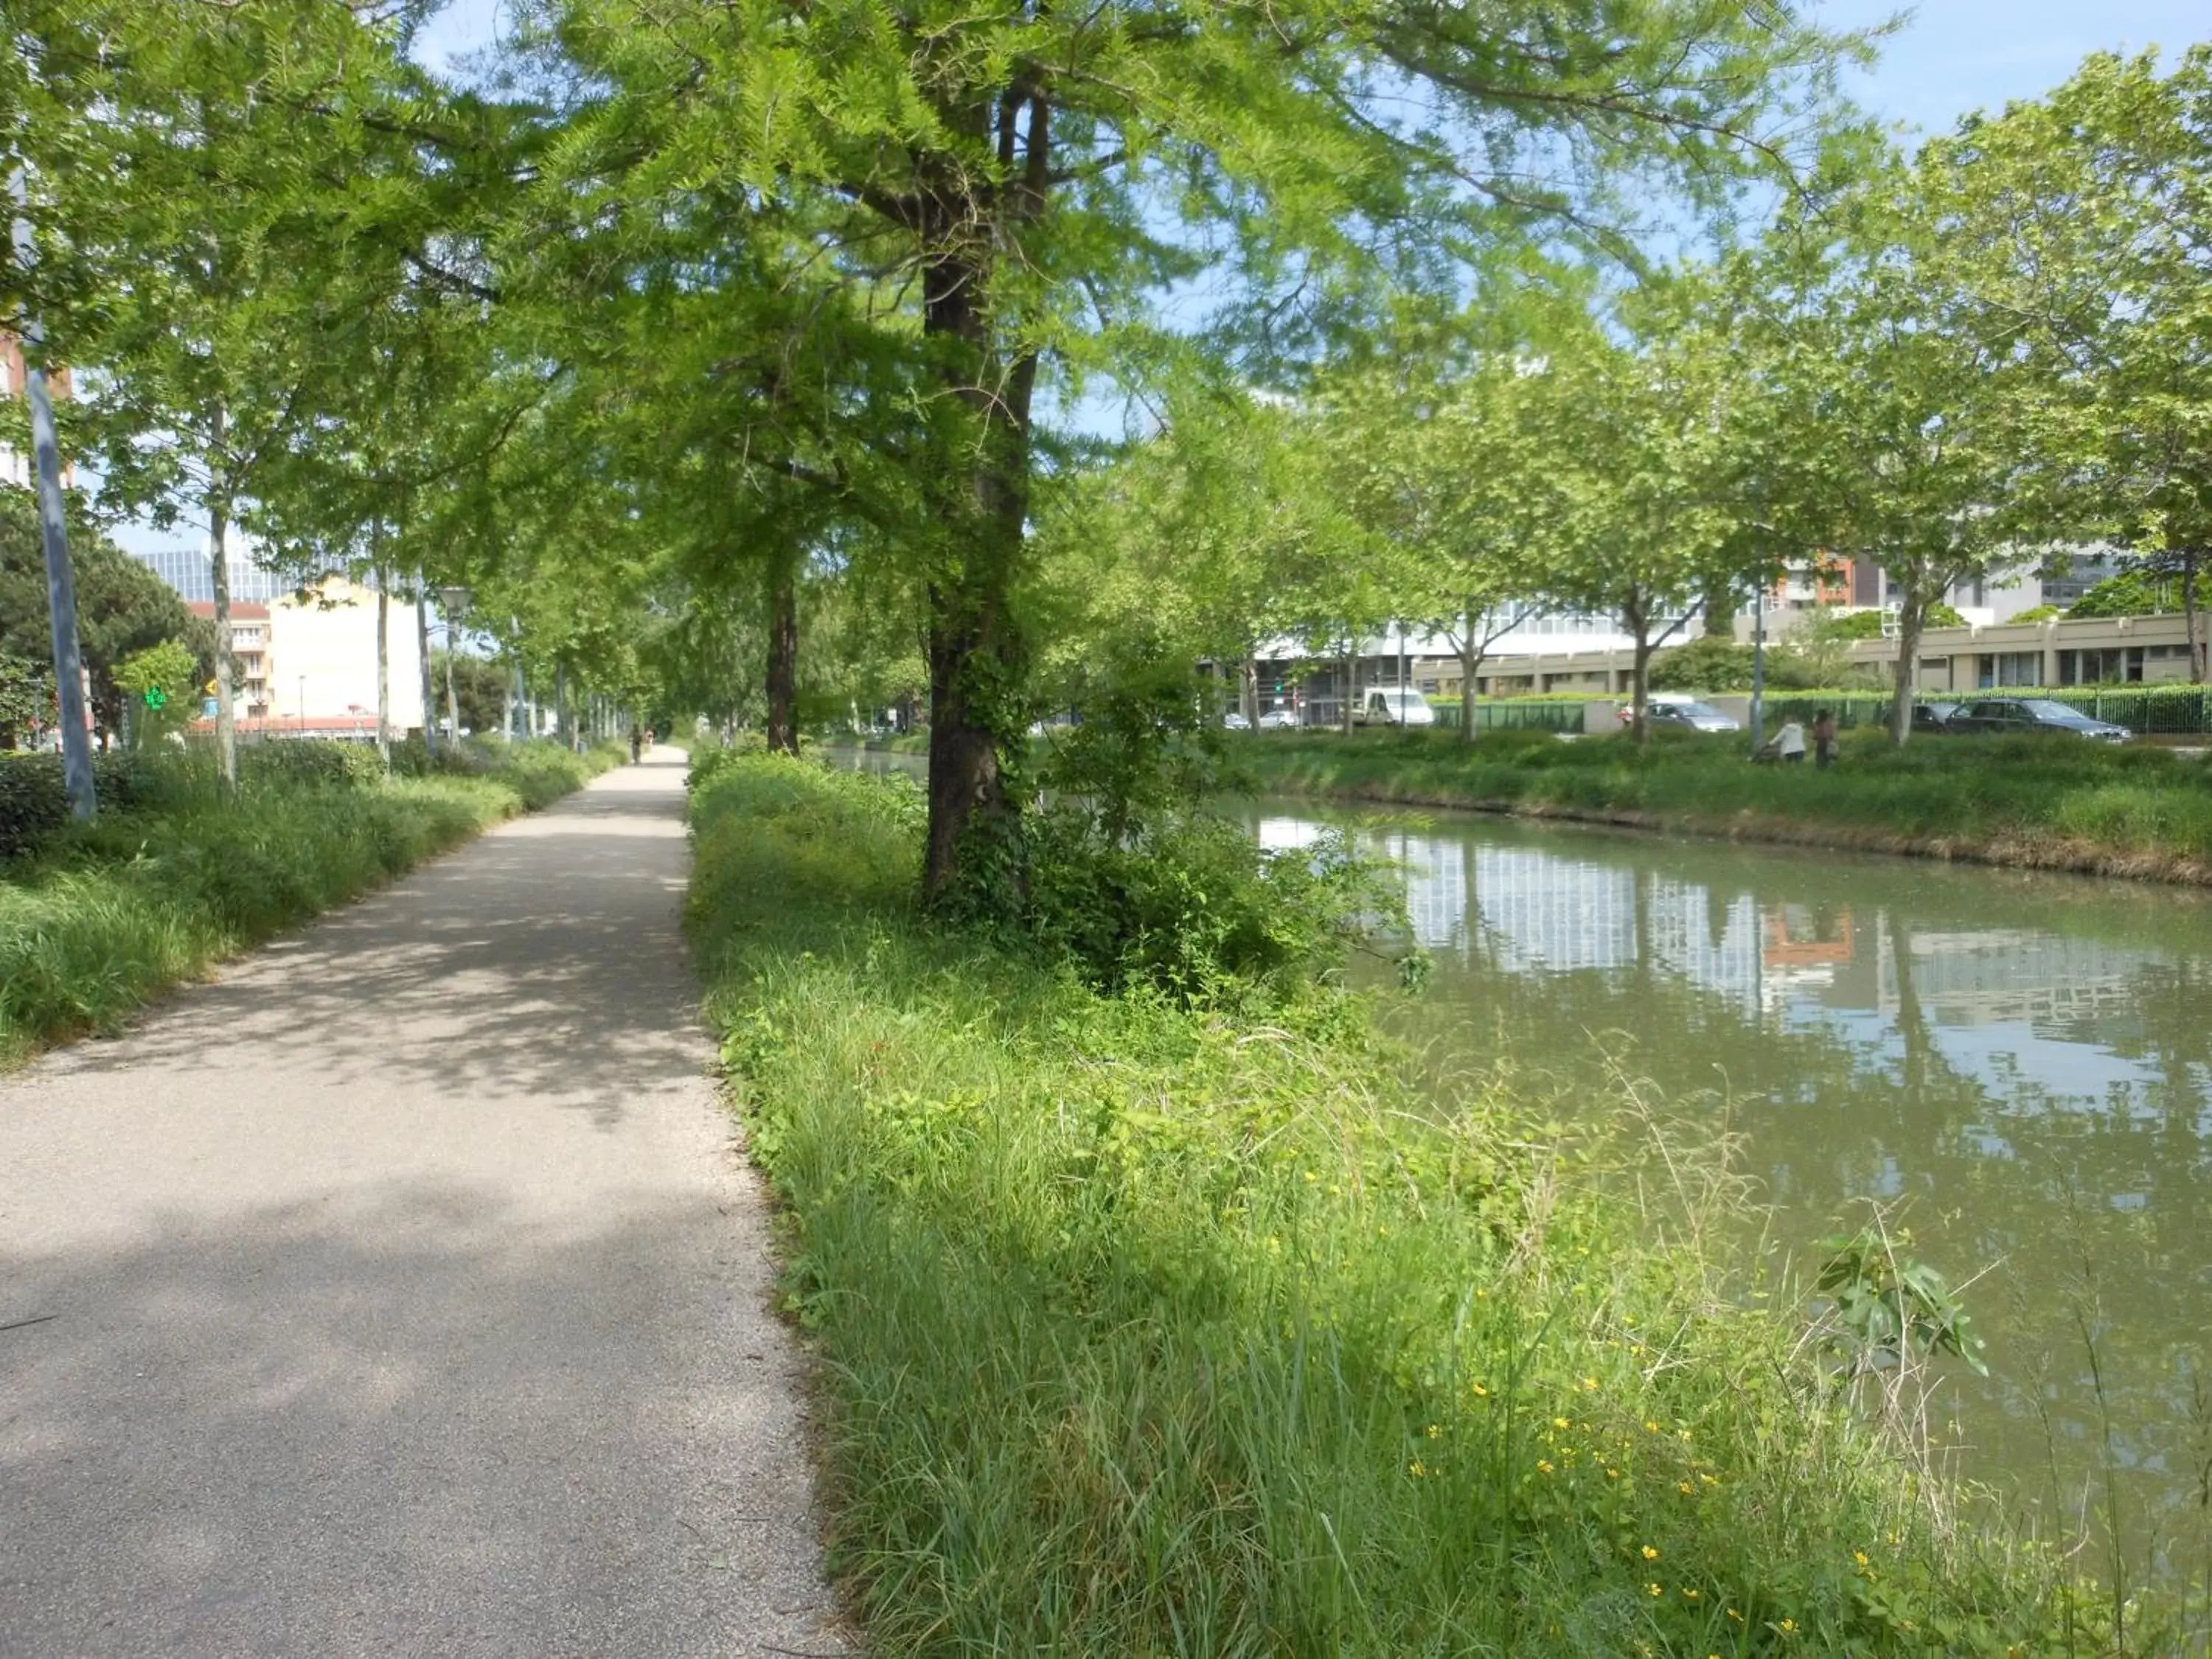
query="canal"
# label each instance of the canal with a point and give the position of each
(2016, 1068)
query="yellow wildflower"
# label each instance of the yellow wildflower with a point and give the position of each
(1685, 1489)
(1417, 1468)
(1561, 1422)
(1650, 1554)
(1480, 1392)
(1788, 1628)
(1656, 1590)
(1689, 1594)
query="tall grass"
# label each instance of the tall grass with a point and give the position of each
(1150, 1328)
(103, 917)
(2043, 802)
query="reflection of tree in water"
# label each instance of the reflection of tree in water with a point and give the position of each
(1990, 1160)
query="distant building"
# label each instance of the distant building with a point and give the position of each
(307, 662)
(189, 570)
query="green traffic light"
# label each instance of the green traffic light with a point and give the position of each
(156, 698)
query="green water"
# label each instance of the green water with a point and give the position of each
(2019, 1068)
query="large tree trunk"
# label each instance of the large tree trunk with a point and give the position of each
(1636, 614)
(978, 661)
(1909, 617)
(1470, 660)
(384, 666)
(226, 717)
(783, 656)
(429, 690)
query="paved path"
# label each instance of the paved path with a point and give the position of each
(402, 1295)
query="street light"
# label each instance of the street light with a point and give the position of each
(454, 602)
(303, 705)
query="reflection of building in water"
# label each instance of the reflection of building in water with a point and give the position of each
(2012, 975)
(1532, 911)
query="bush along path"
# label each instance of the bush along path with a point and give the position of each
(1162, 1313)
(2029, 803)
(400, 1291)
(178, 873)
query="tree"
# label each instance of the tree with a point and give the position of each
(159, 684)
(123, 607)
(1900, 429)
(1456, 469)
(1020, 179)
(2082, 226)
(1641, 430)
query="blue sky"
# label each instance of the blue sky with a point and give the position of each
(1952, 56)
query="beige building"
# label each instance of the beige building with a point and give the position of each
(2104, 651)
(306, 663)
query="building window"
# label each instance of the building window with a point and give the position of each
(2011, 668)
(2114, 666)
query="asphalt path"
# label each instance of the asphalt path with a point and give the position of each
(400, 1292)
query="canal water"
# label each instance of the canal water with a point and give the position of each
(2017, 1067)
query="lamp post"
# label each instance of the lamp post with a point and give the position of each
(454, 602)
(303, 705)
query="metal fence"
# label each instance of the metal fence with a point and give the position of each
(1518, 713)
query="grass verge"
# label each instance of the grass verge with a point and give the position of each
(99, 918)
(2049, 804)
(1154, 1328)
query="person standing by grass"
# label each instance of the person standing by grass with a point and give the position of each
(1789, 744)
(1824, 739)
(636, 742)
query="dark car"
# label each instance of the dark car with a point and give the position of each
(2014, 716)
(1935, 716)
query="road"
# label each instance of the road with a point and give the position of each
(400, 1292)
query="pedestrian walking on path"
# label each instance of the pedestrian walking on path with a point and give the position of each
(401, 1292)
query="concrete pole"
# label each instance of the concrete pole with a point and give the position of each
(429, 689)
(53, 533)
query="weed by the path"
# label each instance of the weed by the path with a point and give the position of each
(105, 915)
(1150, 1326)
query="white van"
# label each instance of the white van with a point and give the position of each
(1390, 706)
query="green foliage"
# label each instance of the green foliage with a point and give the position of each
(179, 872)
(308, 763)
(2036, 802)
(1891, 1311)
(122, 606)
(1708, 663)
(1841, 627)
(2038, 613)
(158, 684)
(26, 698)
(1150, 1328)
(2130, 593)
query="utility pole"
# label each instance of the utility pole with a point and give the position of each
(53, 533)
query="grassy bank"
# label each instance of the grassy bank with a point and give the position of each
(2053, 804)
(1148, 1328)
(175, 875)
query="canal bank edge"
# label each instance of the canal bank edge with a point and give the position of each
(1298, 772)
(1149, 1326)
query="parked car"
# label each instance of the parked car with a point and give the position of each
(1678, 709)
(1933, 716)
(1389, 706)
(1278, 720)
(2014, 716)
(1234, 721)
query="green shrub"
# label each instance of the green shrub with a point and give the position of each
(309, 762)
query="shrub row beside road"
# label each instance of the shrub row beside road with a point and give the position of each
(176, 873)
(1154, 1323)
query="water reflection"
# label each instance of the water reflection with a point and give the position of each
(2024, 1063)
